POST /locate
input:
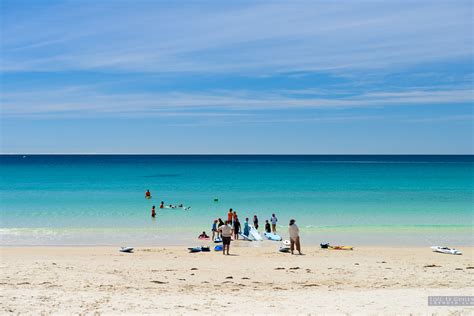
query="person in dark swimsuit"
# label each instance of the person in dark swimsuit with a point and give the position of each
(255, 221)
(236, 228)
(267, 227)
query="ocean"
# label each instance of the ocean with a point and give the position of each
(89, 200)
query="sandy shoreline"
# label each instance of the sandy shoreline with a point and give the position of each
(253, 280)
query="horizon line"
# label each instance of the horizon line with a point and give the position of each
(240, 154)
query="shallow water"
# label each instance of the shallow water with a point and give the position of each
(99, 199)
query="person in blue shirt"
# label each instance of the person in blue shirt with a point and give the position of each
(214, 229)
(246, 227)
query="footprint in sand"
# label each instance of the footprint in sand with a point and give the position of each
(310, 284)
(159, 282)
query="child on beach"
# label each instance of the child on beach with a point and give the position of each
(203, 236)
(226, 232)
(267, 226)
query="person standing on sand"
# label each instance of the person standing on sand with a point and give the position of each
(230, 215)
(255, 221)
(214, 230)
(274, 221)
(246, 227)
(226, 233)
(294, 237)
(153, 212)
(236, 228)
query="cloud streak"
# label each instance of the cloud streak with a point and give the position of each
(250, 37)
(83, 101)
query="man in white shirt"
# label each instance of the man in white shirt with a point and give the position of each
(294, 236)
(226, 233)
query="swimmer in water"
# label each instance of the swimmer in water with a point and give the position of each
(153, 213)
(162, 204)
(147, 194)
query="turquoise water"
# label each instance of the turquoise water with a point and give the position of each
(91, 199)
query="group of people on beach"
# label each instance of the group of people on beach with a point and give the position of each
(234, 222)
(232, 228)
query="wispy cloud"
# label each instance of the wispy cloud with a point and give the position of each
(251, 37)
(83, 101)
(447, 118)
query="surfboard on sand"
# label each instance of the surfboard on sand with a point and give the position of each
(195, 249)
(273, 237)
(255, 234)
(341, 247)
(446, 250)
(246, 237)
(126, 249)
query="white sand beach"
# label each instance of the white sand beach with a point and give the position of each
(89, 280)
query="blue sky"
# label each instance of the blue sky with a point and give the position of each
(240, 77)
